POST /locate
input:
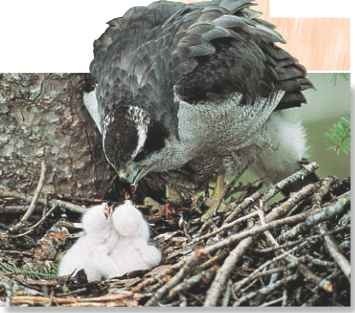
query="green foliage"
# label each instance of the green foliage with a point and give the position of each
(339, 136)
(46, 270)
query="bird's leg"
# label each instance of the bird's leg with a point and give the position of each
(219, 188)
(215, 202)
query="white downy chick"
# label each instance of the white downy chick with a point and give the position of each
(92, 251)
(132, 252)
(129, 222)
(112, 246)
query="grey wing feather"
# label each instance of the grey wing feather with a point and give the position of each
(226, 48)
(205, 49)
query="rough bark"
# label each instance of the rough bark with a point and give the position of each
(42, 117)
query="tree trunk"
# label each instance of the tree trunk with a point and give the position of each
(42, 117)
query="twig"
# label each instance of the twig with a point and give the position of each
(152, 280)
(230, 262)
(335, 252)
(309, 259)
(291, 202)
(256, 272)
(305, 171)
(228, 293)
(330, 211)
(266, 290)
(31, 208)
(244, 205)
(289, 244)
(273, 270)
(272, 302)
(213, 260)
(317, 295)
(222, 276)
(69, 206)
(255, 231)
(285, 245)
(124, 298)
(284, 297)
(205, 276)
(224, 227)
(187, 268)
(306, 272)
(220, 279)
(317, 216)
(325, 284)
(6, 193)
(34, 226)
(325, 186)
(13, 209)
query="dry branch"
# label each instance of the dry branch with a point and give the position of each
(300, 175)
(266, 290)
(222, 276)
(35, 196)
(121, 299)
(317, 216)
(7, 193)
(335, 252)
(187, 268)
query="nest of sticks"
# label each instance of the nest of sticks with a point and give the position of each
(259, 249)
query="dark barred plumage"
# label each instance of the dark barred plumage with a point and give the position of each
(168, 57)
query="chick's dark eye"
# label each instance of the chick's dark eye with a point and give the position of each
(155, 140)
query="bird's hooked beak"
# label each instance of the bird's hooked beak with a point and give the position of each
(133, 173)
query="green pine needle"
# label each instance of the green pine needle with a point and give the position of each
(339, 136)
(47, 270)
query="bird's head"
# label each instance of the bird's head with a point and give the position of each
(130, 137)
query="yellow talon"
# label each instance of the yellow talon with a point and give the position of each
(215, 201)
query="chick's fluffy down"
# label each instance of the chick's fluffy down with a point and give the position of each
(111, 246)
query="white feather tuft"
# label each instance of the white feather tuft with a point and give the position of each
(288, 147)
(92, 106)
(141, 120)
(142, 137)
